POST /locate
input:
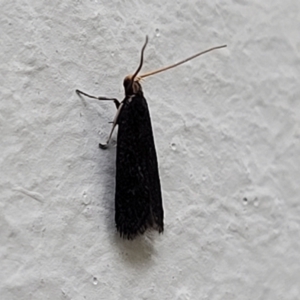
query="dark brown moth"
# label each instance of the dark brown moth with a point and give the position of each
(138, 200)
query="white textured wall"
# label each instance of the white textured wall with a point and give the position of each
(227, 135)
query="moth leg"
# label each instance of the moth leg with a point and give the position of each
(116, 101)
(104, 146)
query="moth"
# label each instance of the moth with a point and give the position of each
(138, 200)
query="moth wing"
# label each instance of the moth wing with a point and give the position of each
(138, 200)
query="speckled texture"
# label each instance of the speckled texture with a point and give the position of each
(227, 136)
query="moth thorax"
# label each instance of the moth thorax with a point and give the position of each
(130, 87)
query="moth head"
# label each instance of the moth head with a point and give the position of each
(132, 82)
(132, 86)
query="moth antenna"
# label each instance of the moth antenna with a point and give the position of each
(181, 62)
(141, 61)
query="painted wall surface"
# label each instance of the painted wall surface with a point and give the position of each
(227, 134)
